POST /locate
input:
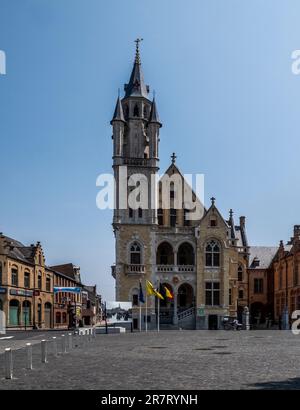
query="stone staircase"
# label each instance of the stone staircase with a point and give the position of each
(186, 321)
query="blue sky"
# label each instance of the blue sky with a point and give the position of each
(226, 95)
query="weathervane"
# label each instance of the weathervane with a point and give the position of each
(137, 50)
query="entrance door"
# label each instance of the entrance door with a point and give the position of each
(47, 315)
(213, 322)
(135, 323)
(14, 313)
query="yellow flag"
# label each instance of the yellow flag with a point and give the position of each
(152, 291)
(150, 288)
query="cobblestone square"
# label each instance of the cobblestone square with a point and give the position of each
(166, 360)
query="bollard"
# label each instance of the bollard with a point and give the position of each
(76, 340)
(70, 341)
(94, 333)
(8, 364)
(89, 335)
(64, 344)
(44, 351)
(29, 356)
(55, 352)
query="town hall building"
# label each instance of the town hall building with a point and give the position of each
(202, 261)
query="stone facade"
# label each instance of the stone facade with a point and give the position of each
(203, 261)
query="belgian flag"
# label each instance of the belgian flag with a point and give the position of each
(165, 292)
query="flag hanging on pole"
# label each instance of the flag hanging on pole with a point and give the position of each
(165, 292)
(151, 291)
(168, 293)
(141, 294)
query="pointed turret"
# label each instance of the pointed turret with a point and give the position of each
(154, 117)
(231, 224)
(136, 86)
(118, 114)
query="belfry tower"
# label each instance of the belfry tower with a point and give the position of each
(136, 127)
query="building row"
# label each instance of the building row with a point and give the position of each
(29, 290)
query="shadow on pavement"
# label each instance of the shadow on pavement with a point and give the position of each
(289, 384)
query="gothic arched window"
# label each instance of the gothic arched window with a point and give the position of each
(212, 254)
(135, 254)
(145, 112)
(240, 273)
(126, 111)
(136, 112)
(14, 276)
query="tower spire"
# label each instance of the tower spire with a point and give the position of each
(136, 86)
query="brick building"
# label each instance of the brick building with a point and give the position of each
(67, 305)
(287, 278)
(26, 285)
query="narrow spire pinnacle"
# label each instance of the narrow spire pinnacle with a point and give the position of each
(118, 114)
(154, 117)
(137, 50)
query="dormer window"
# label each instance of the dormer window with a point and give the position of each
(255, 262)
(213, 222)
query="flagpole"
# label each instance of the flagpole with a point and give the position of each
(158, 308)
(146, 318)
(140, 316)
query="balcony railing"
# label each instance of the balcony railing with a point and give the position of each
(135, 268)
(175, 268)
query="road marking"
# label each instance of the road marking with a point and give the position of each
(6, 337)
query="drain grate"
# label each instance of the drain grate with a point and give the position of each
(156, 347)
(219, 347)
(223, 353)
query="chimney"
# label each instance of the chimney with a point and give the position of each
(296, 231)
(242, 221)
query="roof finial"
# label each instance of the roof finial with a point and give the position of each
(230, 213)
(213, 199)
(173, 158)
(119, 91)
(137, 50)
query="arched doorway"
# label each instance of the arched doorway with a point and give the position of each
(257, 313)
(165, 254)
(26, 313)
(48, 315)
(14, 313)
(240, 310)
(185, 298)
(185, 255)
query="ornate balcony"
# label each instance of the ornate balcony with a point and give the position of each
(135, 269)
(175, 268)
